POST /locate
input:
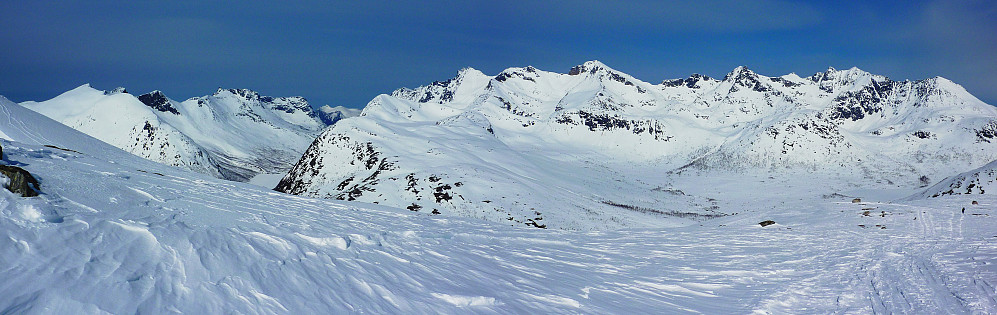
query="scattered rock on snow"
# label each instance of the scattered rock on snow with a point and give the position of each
(766, 223)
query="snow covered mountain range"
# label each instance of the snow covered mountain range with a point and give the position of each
(233, 134)
(605, 149)
(115, 233)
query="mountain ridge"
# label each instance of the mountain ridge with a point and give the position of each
(233, 134)
(537, 133)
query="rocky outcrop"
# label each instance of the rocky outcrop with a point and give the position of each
(19, 181)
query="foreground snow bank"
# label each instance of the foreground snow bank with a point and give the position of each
(109, 237)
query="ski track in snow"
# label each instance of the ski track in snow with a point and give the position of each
(138, 241)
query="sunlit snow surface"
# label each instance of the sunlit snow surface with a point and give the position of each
(115, 233)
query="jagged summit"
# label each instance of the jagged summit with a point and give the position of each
(590, 67)
(246, 94)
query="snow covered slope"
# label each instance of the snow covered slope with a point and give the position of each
(114, 233)
(977, 181)
(592, 148)
(232, 134)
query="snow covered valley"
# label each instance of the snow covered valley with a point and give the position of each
(114, 233)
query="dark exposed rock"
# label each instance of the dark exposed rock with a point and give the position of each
(288, 104)
(855, 105)
(576, 70)
(604, 122)
(766, 223)
(158, 101)
(691, 82)
(246, 94)
(784, 82)
(63, 149)
(987, 132)
(117, 90)
(20, 181)
(742, 76)
(329, 118)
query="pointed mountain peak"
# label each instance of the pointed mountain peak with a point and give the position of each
(847, 72)
(466, 71)
(84, 87)
(591, 66)
(469, 73)
(740, 72)
(851, 75)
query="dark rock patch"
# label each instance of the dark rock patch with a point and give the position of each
(20, 181)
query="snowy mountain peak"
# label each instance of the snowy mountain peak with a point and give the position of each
(838, 78)
(591, 66)
(82, 89)
(528, 73)
(744, 77)
(739, 71)
(245, 94)
(469, 72)
(441, 92)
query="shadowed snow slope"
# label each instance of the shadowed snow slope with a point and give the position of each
(114, 233)
(593, 149)
(233, 134)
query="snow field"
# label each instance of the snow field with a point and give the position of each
(197, 244)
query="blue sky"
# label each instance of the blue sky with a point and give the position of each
(347, 52)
